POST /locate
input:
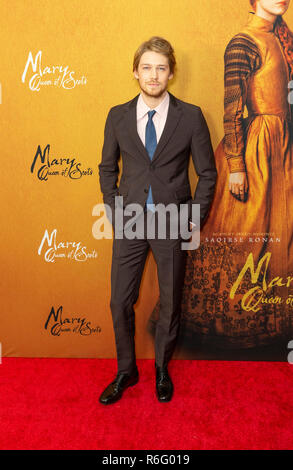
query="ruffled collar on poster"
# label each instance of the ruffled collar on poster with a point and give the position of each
(260, 23)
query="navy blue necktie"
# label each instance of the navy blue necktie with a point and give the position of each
(150, 145)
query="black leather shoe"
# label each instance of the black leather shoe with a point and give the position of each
(115, 389)
(164, 385)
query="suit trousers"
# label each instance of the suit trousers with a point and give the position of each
(128, 261)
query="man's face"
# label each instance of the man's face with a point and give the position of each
(153, 73)
(274, 7)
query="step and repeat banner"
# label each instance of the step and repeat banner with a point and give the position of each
(64, 64)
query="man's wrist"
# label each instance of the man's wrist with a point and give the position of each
(192, 225)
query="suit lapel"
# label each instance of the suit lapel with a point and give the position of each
(173, 117)
(131, 124)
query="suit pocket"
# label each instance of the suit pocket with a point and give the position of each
(183, 193)
(123, 190)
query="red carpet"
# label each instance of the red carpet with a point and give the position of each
(53, 404)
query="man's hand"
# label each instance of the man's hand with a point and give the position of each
(194, 235)
(238, 184)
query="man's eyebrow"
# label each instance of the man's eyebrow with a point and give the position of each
(159, 65)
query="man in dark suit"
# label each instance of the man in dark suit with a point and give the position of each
(155, 133)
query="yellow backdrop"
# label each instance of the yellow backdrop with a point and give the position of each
(64, 63)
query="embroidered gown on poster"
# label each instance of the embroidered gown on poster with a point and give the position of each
(261, 227)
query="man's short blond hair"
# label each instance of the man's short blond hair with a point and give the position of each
(155, 44)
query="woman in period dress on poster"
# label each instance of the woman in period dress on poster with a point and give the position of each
(252, 212)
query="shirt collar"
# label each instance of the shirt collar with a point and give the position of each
(143, 108)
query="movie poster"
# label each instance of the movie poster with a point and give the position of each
(238, 292)
(64, 65)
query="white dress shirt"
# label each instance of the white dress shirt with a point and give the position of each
(159, 118)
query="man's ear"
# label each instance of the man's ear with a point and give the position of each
(135, 74)
(171, 76)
